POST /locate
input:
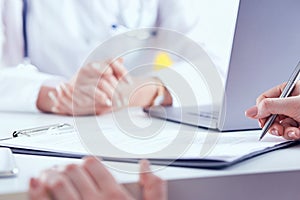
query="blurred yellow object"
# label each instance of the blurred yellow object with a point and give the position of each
(162, 60)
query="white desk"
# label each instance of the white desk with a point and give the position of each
(271, 176)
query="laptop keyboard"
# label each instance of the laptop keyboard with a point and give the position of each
(208, 115)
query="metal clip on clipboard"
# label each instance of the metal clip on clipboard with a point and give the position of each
(42, 129)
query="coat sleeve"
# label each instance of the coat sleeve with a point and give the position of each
(20, 88)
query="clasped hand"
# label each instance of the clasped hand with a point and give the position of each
(93, 90)
(101, 87)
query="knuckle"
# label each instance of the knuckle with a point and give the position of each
(61, 109)
(60, 102)
(258, 100)
(71, 168)
(102, 82)
(82, 74)
(266, 104)
(57, 184)
(99, 112)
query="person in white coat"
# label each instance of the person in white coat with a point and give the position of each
(58, 37)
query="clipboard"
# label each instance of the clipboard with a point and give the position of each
(195, 162)
(182, 162)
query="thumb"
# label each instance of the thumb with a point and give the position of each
(281, 106)
(153, 186)
(120, 70)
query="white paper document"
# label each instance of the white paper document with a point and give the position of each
(169, 144)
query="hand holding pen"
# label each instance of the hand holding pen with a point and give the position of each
(278, 109)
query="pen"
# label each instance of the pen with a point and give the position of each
(29, 131)
(285, 93)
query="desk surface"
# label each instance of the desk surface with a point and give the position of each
(255, 174)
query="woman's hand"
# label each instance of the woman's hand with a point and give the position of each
(287, 124)
(91, 180)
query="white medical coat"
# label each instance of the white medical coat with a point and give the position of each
(61, 33)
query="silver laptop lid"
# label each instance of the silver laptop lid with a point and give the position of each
(265, 50)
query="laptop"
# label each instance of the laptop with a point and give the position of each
(265, 50)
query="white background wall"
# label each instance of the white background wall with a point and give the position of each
(216, 28)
